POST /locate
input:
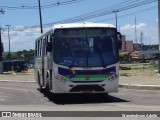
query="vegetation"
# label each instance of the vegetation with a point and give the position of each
(21, 55)
(124, 74)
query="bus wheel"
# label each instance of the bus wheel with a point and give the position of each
(39, 83)
(50, 84)
(47, 83)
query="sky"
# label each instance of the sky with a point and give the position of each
(146, 19)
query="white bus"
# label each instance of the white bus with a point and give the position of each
(78, 58)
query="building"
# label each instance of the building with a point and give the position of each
(127, 46)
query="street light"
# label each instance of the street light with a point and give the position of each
(1, 49)
(1, 65)
(115, 11)
(159, 35)
(9, 42)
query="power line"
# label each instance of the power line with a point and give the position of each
(130, 14)
(103, 12)
(121, 7)
(98, 12)
(106, 12)
(43, 6)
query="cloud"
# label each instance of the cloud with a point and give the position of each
(128, 26)
(157, 19)
(21, 39)
(150, 33)
(25, 39)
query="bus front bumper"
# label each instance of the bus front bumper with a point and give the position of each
(89, 87)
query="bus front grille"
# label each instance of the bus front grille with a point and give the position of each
(79, 88)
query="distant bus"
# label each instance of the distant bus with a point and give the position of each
(7, 66)
(78, 58)
(14, 65)
(19, 65)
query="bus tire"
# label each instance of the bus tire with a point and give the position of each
(50, 84)
(47, 82)
(39, 83)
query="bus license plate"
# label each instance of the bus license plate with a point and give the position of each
(87, 91)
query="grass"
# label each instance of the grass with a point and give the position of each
(141, 70)
(124, 74)
(153, 66)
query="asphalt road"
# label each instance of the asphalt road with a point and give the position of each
(26, 96)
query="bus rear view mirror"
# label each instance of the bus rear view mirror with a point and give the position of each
(119, 36)
(49, 47)
(119, 44)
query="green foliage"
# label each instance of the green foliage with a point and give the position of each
(153, 66)
(21, 55)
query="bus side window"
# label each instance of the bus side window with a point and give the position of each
(49, 44)
(47, 40)
(38, 50)
(45, 45)
(39, 44)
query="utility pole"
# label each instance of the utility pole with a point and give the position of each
(159, 35)
(0, 46)
(135, 34)
(1, 49)
(116, 16)
(1, 65)
(159, 22)
(9, 42)
(39, 3)
(141, 41)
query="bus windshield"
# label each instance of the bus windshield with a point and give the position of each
(85, 47)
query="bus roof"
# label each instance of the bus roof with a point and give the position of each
(82, 25)
(76, 25)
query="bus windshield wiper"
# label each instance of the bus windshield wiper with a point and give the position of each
(73, 61)
(101, 58)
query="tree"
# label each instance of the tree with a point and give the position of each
(22, 55)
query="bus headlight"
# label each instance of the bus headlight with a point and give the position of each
(113, 77)
(61, 78)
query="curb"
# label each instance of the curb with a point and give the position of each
(140, 87)
(127, 86)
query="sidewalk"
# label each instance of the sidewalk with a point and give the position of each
(140, 82)
(17, 78)
(129, 82)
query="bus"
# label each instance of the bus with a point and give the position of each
(78, 58)
(19, 65)
(14, 65)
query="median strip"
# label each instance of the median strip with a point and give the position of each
(18, 81)
(140, 87)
